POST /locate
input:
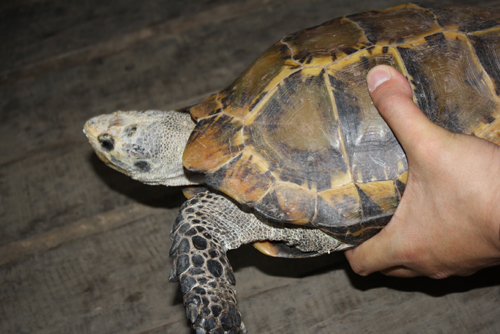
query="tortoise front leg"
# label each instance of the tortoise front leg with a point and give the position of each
(207, 226)
(200, 264)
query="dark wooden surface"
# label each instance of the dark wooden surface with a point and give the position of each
(84, 249)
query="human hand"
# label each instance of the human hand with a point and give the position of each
(448, 221)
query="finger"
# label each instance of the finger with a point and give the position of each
(392, 95)
(375, 254)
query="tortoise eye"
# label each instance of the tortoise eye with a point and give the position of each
(107, 142)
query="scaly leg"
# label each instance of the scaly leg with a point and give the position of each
(208, 225)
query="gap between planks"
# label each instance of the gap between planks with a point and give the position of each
(44, 242)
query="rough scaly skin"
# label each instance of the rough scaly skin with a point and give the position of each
(207, 226)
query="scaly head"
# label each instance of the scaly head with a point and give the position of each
(145, 145)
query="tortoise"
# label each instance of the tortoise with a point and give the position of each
(293, 156)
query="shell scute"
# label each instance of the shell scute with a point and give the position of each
(451, 87)
(463, 18)
(351, 215)
(395, 25)
(338, 207)
(213, 142)
(296, 131)
(245, 178)
(288, 202)
(325, 43)
(208, 107)
(379, 196)
(250, 86)
(400, 184)
(487, 47)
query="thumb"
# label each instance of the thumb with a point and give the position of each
(392, 95)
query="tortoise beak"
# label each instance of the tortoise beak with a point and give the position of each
(96, 125)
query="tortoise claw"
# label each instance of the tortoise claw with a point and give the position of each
(200, 330)
(173, 277)
(192, 313)
(176, 240)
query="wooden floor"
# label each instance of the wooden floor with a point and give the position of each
(84, 249)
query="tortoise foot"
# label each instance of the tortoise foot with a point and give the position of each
(211, 307)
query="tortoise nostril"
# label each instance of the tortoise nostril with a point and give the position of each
(106, 141)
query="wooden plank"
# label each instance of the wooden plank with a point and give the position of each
(340, 302)
(44, 242)
(105, 283)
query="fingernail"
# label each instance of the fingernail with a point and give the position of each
(376, 77)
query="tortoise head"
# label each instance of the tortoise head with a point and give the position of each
(145, 145)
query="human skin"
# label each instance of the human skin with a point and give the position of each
(448, 221)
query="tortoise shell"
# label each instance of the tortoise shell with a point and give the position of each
(297, 137)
